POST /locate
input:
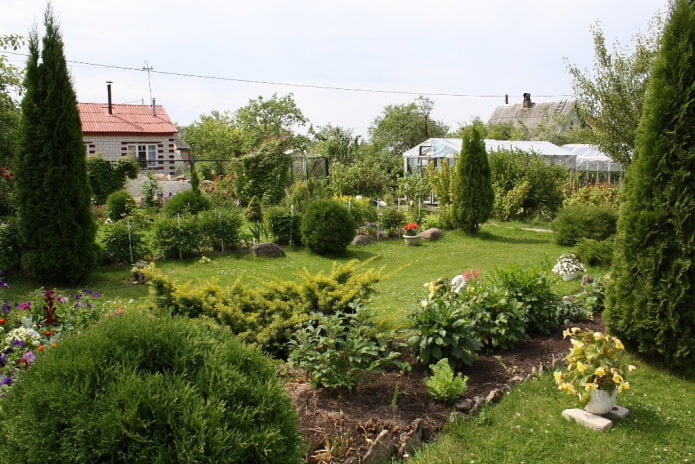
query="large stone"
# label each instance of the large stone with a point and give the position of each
(382, 449)
(266, 250)
(593, 421)
(413, 441)
(362, 239)
(432, 234)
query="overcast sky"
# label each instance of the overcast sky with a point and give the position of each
(479, 50)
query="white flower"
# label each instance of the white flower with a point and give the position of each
(568, 264)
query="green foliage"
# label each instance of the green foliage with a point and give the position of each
(595, 252)
(443, 385)
(214, 137)
(650, 303)
(327, 227)
(612, 97)
(284, 225)
(123, 242)
(473, 196)
(138, 388)
(443, 328)
(338, 351)
(533, 287)
(574, 223)
(150, 192)
(400, 127)
(525, 185)
(432, 220)
(391, 221)
(337, 144)
(120, 204)
(106, 177)
(414, 187)
(274, 118)
(186, 202)
(441, 181)
(595, 194)
(359, 178)
(267, 314)
(176, 237)
(254, 210)
(53, 194)
(264, 173)
(220, 228)
(10, 249)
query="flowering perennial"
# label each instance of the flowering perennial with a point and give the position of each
(568, 264)
(596, 361)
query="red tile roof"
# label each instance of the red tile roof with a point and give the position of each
(124, 119)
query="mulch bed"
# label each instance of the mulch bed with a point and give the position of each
(337, 426)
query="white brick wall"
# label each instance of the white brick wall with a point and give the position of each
(114, 147)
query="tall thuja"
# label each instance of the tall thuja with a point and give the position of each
(56, 228)
(651, 300)
(472, 190)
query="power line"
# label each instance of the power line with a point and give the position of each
(149, 70)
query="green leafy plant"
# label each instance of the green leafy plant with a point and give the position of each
(186, 202)
(443, 384)
(120, 204)
(220, 228)
(337, 351)
(123, 242)
(176, 237)
(106, 177)
(327, 227)
(595, 252)
(576, 222)
(283, 224)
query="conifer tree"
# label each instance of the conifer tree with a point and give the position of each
(472, 191)
(53, 195)
(651, 299)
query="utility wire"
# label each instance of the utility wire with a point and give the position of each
(288, 84)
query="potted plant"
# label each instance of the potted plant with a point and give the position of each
(597, 365)
(411, 235)
(568, 266)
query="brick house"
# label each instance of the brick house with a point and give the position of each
(142, 132)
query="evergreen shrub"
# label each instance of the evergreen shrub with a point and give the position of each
(283, 225)
(188, 201)
(10, 246)
(327, 227)
(140, 388)
(391, 221)
(595, 252)
(574, 223)
(119, 205)
(106, 177)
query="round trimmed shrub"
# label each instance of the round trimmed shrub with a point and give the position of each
(140, 388)
(327, 227)
(574, 223)
(283, 225)
(176, 237)
(123, 242)
(188, 201)
(119, 205)
(220, 228)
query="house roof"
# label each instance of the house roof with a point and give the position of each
(534, 115)
(124, 119)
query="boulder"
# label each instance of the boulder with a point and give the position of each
(266, 250)
(361, 239)
(432, 234)
(382, 449)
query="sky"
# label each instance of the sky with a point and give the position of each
(206, 55)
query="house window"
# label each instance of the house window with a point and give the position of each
(144, 154)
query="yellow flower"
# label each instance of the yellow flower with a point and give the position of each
(630, 367)
(558, 376)
(619, 344)
(600, 372)
(581, 367)
(576, 329)
(566, 333)
(598, 336)
(568, 387)
(576, 343)
(590, 386)
(617, 378)
(623, 386)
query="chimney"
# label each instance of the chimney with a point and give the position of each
(108, 92)
(506, 98)
(154, 111)
(527, 101)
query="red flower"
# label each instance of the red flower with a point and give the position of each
(411, 227)
(2, 321)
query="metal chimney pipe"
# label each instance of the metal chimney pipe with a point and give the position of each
(154, 111)
(108, 92)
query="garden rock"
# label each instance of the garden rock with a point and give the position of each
(267, 250)
(586, 280)
(464, 404)
(382, 449)
(432, 234)
(413, 441)
(362, 239)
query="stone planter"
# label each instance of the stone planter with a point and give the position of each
(571, 276)
(602, 401)
(412, 240)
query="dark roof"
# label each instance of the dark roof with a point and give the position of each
(124, 119)
(536, 114)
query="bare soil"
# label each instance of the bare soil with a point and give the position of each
(337, 426)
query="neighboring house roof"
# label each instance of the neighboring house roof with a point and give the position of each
(532, 114)
(124, 119)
